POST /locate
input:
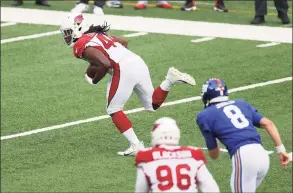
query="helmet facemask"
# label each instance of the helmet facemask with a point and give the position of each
(203, 96)
(67, 36)
(73, 28)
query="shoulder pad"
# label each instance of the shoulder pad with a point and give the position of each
(197, 153)
(80, 44)
(144, 156)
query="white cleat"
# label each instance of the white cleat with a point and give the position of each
(80, 7)
(132, 150)
(175, 77)
(114, 4)
(98, 11)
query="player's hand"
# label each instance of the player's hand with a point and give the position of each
(284, 159)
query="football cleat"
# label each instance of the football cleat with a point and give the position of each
(189, 6)
(175, 77)
(165, 5)
(258, 20)
(284, 17)
(220, 8)
(132, 150)
(114, 4)
(140, 6)
(80, 7)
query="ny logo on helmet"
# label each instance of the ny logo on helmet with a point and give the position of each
(78, 19)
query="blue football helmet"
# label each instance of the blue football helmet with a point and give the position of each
(214, 90)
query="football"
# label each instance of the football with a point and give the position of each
(98, 71)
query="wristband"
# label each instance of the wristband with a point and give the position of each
(280, 148)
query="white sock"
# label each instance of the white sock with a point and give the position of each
(131, 136)
(166, 85)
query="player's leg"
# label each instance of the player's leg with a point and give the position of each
(81, 6)
(99, 7)
(152, 99)
(119, 91)
(264, 165)
(173, 77)
(243, 178)
(144, 89)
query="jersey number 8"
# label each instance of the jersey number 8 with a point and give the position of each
(236, 116)
(164, 176)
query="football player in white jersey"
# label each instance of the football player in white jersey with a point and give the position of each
(128, 72)
(168, 167)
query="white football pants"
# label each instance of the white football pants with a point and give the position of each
(250, 165)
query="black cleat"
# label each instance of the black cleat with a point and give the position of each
(284, 17)
(17, 3)
(189, 6)
(42, 3)
(220, 8)
(258, 20)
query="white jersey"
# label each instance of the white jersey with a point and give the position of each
(114, 51)
(173, 169)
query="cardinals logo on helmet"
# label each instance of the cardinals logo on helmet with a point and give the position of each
(78, 19)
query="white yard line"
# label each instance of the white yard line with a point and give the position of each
(54, 33)
(139, 110)
(30, 37)
(8, 24)
(203, 39)
(156, 25)
(268, 44)
(135, 34)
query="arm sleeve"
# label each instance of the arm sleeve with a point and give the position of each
(256, 116)
(141, 184)
(205, 180)
(211, 142)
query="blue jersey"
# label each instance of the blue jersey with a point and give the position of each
(231, 122)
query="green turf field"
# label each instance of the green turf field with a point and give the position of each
(42, 84)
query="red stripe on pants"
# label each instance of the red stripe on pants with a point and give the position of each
(114, 83)
(237, 173)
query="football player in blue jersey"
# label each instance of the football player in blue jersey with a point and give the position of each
(233, 123)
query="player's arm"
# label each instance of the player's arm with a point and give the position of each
(206, 182)
(271, 128)
(260, 121)
(120, 40)
(96, 57)
(210, 140)
(141, 184)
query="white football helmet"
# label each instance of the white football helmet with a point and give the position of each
(73, 28)
(165, 132)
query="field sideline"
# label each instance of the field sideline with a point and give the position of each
(156, 25)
